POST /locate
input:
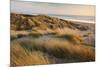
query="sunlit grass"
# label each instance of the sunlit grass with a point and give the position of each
(41, 39)
(37, 51)
(21, 56)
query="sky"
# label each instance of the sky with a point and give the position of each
(92, 2)
(52, 8)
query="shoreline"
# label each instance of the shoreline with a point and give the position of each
(73, 20)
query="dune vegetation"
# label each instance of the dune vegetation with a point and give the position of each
(40, 39)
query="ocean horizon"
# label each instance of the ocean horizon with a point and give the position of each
(73, 12)
(84, 19)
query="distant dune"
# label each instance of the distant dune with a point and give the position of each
(42, 39)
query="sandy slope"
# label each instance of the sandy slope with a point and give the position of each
(51, 40)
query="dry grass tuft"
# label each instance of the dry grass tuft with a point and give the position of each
(40, 39)
(21, 56)
(37, 51)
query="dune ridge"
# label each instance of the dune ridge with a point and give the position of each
(41, 39)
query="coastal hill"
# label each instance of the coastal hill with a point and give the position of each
(28, 22)
(42, 39)
(24, 25)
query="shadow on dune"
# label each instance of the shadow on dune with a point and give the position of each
(41, 39)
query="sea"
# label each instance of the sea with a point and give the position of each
(84, 19)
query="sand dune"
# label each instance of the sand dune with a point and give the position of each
(41, 39)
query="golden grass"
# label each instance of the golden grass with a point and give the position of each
(64, 44)
(21, 57)
(37, 51)
(75, 39)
